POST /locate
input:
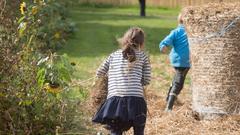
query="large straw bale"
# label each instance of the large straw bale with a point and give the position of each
(214, 37)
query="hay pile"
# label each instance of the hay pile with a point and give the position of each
(182, 121)
(214, 37)
(99, 91)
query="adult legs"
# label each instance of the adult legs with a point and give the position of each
(142, 7)
(177, 86)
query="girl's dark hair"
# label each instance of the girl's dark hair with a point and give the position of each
(133, 39)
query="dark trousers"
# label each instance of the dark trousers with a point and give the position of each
(138, 130)
(178, 81)
(142, 7)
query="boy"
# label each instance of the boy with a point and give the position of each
(179, 58)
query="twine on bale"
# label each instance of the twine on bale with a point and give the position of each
(215, 58)
(215, 35)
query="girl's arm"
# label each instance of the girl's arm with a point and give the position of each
(103, 69)
(146, 78)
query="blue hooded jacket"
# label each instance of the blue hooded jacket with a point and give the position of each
(179, 55)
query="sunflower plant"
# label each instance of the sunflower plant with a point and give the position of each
(46, 21)
(56, 72)
(34, 80)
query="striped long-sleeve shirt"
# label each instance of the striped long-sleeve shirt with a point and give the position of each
(124, 78)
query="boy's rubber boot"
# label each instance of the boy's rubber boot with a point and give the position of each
(169, 90)
(170, 103)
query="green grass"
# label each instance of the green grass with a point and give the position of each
(98, 29)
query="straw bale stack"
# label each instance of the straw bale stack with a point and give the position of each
(214, 37)
(99, 91)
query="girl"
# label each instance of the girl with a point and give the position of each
(128, 71)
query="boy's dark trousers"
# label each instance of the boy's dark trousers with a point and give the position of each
(177, 85)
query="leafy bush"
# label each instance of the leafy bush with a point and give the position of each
(34, 81)
(47, 21)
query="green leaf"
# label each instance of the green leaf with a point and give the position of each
(26, 102)
(65, 74)
(41, 77)
(21, 19)
(22, 27)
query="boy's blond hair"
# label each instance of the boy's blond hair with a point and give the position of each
(180, 19)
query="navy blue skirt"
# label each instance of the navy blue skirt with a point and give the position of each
(121, 113)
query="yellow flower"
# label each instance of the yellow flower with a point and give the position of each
(53, 90)
(23, 6)
(34, 10)
(42, 2)
(57, 35)
(2, 95)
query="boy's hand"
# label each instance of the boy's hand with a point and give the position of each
(164, 49)
(167, 61)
